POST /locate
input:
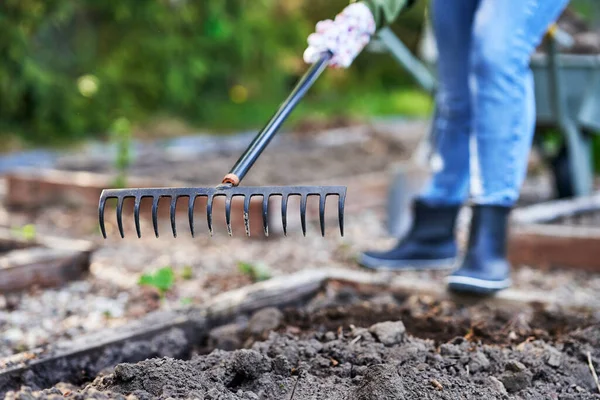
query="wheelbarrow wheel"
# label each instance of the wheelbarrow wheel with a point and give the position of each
(561, 169)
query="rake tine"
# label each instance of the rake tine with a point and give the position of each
(341, 200)
(155, 214)
(172, 214)
(303, 201)
(101, 207)
(191, 213)
(136, 215)
(120, 201)
(247, 214)
(209, 205)
(284, 203)
(322, 199)
(228, 213)
(265, 210)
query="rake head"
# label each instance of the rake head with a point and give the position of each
(228, 192)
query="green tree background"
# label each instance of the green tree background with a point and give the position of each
(69, 69)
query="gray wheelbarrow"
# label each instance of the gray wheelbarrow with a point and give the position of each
(567, 92)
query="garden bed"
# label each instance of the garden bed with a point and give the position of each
(337, 338)
(358, 158)
(562, 233)
(40, 262)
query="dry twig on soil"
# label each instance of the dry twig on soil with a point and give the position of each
(593, 370)
(437, 384)
(294, 389)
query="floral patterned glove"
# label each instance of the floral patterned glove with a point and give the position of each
(345, 37)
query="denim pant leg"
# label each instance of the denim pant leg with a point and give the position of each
(452, 24)
(505, 35)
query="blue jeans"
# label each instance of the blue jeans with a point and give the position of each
(486, 101)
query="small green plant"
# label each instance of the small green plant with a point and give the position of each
(256, 272)
(186, 301)
(121, 138)
(187, 273)
(161, 279)
(25, 232)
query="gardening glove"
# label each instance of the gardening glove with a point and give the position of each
(345, 37)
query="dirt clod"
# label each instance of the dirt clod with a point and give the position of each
(226, 337)
(265, 320)
(250, 364)
(125, 372)
(554, 358)
(497, 385)
(478, 362)
(515, 366)
(516, 381)
(389, 333)
(381, 382)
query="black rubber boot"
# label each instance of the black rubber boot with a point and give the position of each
(429, 244)
(484, 269)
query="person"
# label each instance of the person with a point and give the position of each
(485, 110)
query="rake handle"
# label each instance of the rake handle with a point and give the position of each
(260, 142)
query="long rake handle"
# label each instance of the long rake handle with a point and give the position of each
(260, 142)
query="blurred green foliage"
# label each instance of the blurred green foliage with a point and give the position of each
(69, 69)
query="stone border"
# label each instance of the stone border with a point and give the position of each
(538, 240)
(42, 262)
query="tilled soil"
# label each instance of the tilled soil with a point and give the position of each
(337, 347)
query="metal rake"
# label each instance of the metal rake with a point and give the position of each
(229, 186)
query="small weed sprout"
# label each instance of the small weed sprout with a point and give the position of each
(187, 273)
(121, 137)
(256, 272)
(25, 232)
(163, 280)
(186, 301)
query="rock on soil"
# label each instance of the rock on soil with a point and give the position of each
(388, 333)
(265, 320)
(350, 365)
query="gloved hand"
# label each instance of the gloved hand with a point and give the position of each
(345, 37)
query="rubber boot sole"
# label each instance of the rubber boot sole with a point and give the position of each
(405, 265)
(467, 284)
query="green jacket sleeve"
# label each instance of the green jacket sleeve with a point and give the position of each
(386, 11)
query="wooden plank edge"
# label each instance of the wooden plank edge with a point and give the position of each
(551, 210)
(158, 335)
(49, 268)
